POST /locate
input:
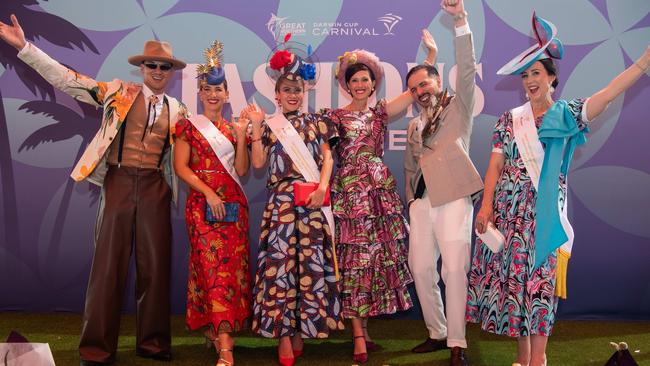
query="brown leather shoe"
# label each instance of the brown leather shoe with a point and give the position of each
(458, 357)
(430, 345)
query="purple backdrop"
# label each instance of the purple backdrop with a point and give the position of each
(46, 219)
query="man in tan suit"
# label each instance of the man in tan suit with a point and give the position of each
(130, 158)
(440, 180)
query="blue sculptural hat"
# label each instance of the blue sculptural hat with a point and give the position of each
(547, 46)
(212, 72)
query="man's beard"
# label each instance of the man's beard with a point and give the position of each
(433, 100)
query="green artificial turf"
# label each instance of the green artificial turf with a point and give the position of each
(580, 343)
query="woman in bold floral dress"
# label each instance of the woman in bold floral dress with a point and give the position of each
(296, 294)
(511, 291)
(369, 213)
(218, 294)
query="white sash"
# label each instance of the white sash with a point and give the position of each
(532, 154)
(219, 143)
(300, 155)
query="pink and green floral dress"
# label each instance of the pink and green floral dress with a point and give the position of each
(371, 227)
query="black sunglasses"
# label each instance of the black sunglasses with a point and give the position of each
(153, 66)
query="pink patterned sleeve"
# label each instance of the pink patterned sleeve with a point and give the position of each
(380, 111)
(499, 133)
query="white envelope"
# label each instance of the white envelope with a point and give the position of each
(26, 354)
(492, 237)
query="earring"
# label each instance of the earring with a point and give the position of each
(527, 96)
(349, 92)
(373, 88)
(551, 89)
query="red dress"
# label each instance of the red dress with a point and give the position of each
(218, 288)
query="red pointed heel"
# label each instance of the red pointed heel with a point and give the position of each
(359, 357)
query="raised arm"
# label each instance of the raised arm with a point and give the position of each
(465, 59)
(78, 86)
(398, 104)
(242, 161)
(401, 102)
(430, 43)
(258, 152)
(598, 102)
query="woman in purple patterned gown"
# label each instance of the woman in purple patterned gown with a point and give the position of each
(511, 291)
(369, 214)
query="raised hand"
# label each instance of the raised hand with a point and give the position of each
(430, 44)
(255, 114)
(428, 41)
(241, 124)
(13, 34)
(453, 7)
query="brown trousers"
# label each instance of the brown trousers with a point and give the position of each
(136, 217)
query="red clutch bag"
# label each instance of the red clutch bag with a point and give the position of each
(302, 190)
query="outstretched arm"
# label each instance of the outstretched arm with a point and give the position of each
(398, 104)
(598, 102)
(401, 102)
(78, 86)
(466, 73)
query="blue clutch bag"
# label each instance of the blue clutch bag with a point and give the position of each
(232, 213)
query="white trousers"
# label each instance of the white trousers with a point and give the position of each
(441, 231)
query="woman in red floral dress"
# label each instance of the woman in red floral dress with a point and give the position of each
(218, 294)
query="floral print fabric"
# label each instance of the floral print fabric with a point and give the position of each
(218, 287)
(371, 227)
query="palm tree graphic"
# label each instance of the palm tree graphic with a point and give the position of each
(37, 24)
(68, 124)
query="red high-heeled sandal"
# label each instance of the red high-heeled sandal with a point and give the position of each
(285, 361)
(359, 357)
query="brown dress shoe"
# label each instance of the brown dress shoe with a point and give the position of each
(430, 345)
(458, 357)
